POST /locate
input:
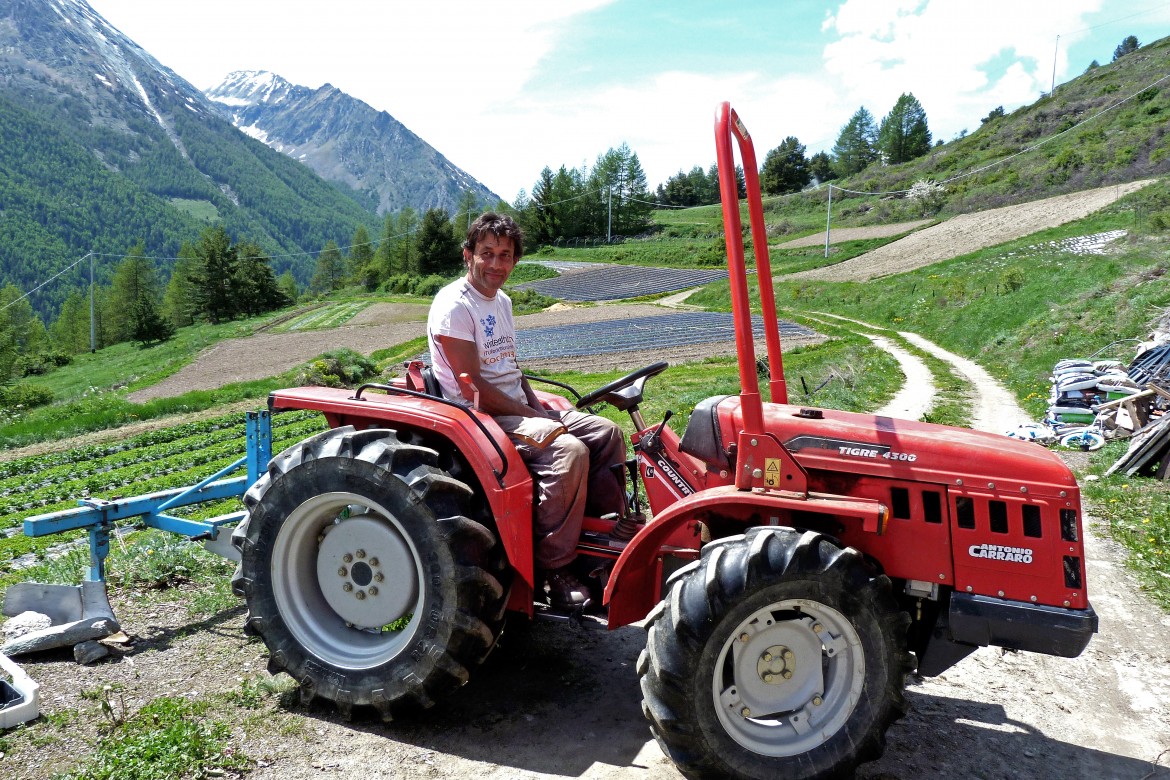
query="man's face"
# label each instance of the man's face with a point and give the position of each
(490, 264)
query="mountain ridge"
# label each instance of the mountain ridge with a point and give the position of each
(344, 140)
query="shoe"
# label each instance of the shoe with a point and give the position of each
(565, 591)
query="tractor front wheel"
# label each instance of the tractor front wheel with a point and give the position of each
(779, 653)
(363, 574)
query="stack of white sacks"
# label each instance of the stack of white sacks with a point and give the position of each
(1079, 385)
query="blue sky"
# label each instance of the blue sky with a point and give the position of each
(503, 89)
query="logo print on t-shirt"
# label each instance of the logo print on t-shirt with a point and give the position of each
(489, 325)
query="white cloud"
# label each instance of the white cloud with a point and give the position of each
(959, 59)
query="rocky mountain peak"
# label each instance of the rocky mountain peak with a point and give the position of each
(250, 88)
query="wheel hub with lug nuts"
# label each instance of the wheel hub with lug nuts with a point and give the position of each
(777, 664)
(366, 572)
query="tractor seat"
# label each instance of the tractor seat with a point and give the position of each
(431, 383)
(702, 438)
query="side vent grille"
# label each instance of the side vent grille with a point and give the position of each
(932, 506)
(1032, 526)
(998, 513)
(1072, 572)
(1068, 525)
(965, 509)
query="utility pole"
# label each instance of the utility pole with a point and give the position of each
(92, 330)
(609, 219)
(1053, 88)
(828, 217)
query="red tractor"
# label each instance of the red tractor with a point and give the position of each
(798, 564)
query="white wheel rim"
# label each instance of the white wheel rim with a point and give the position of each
(788, 678)
(321, 605)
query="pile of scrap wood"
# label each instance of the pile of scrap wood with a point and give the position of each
(1149, 449)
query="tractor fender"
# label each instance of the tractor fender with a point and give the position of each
(634, 584)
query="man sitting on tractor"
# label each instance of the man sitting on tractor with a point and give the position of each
(470, 331)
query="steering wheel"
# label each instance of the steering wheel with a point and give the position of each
(654, 369)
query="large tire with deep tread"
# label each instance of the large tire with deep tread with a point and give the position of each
(779, 654)
(350, 512)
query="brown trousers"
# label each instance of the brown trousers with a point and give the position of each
(569, 458)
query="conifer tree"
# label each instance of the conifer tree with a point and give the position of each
(255, 282)
(362, 269)
(214, 271)
(904, 134)
(180, 304)
(330, 273)
(785, 168)
(438, 250)
(1127, 46)
(856, 144)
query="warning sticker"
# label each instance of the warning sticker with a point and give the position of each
(772, 472)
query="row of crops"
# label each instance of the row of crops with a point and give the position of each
(156, 460)
(329, 316)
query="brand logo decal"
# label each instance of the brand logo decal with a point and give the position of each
(674, 478)
(994, 552)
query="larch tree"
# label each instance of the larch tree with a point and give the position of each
(904, 134)
(856, 145)
(438, 250)
(330, 271)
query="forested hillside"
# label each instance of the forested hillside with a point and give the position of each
(103, 147)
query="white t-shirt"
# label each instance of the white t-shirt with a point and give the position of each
(462, 312)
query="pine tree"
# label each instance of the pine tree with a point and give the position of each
(70, 331)
(438, 250)
(856, 145)
(179, 300)
(148, 324)
(904, 134)
(1128, 46)
(135, 280)
(288, 287)
(544, 225)
(820, 165)
(255, 283)
(215, 267)
(330, 273)
(362, 269)
(785, 168)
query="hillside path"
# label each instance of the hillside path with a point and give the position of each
(1002, 714)
(967, 233)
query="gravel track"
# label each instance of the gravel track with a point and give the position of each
(967, 233)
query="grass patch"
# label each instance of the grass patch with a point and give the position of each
(1136, 511)
(167, 738)
(203, 210)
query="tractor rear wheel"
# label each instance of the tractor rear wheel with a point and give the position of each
(363, 574)
(779, 653)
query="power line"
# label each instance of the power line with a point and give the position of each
(52, 278)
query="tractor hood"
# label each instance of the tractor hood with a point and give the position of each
(835, 441)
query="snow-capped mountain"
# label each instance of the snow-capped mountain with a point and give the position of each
(345, 140)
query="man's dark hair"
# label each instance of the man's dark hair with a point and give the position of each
(498, 225)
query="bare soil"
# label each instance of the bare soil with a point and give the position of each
(837, 235)
(968, 233)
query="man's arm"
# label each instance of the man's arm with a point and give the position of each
(464, 359)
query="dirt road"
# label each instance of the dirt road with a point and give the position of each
(968, 233)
